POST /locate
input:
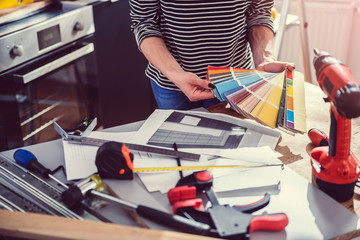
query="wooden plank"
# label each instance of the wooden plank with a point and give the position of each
(37, 226)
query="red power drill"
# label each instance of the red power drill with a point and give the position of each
(335, 168)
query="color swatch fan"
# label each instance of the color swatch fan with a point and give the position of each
(273, 99)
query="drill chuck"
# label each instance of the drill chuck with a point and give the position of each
(347, 101)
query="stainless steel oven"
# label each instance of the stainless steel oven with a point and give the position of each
(47, 73)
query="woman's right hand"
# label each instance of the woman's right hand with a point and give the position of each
(192, 86)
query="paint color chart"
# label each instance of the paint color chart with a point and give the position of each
(273, 99)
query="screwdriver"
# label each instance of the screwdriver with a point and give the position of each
(28, 160)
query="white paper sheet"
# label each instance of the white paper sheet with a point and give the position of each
(80, 159)
(224, 179)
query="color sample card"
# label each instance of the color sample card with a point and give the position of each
(299, 102)
(289, 101)
(268, 98)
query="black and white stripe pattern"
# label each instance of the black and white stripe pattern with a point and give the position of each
(199, 33)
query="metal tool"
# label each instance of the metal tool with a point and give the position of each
(178, 161)
(83, 139)
(21, 191)
(226, 221)
(114, 160)
(76, 193)
(28, 160)
(335, 168)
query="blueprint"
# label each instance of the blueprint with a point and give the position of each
(207, 132)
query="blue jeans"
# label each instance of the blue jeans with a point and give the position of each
(177, 100)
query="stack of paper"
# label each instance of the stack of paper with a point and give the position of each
(234, 141)
(219, 138)
(273, 99)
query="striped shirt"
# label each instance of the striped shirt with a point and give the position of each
(200, 33)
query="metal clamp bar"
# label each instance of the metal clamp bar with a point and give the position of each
(20, 184)
(41, 71)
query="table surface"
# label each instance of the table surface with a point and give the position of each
(296, 149)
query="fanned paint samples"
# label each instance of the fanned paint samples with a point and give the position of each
(273, 99)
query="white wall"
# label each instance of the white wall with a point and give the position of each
(333, 26)
(353, 60)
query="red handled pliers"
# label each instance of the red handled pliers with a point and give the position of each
(225, 221)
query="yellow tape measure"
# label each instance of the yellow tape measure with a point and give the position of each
(184, 168)
(114, 160)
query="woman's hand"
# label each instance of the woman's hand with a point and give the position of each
(189, 83)
(275, 66)
(192, 86)
(261, 40)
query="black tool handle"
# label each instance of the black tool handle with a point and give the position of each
(252, 207)
(333, 133)
(177, 222)
(28, 160)
(174, 221)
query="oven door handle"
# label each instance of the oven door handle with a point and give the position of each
(51, 66)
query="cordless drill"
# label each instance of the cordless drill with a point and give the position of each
(335, 168)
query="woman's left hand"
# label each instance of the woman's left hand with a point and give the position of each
(275, 66)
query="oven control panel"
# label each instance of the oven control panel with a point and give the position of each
(25, 44)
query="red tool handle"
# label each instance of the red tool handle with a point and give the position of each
(194, 203)
(272, 222)
(181, 193)
(318, 137)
